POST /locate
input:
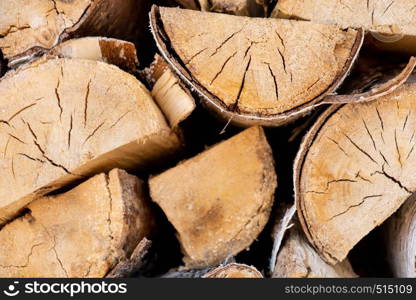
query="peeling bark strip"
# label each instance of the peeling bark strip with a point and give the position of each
(32, 26)
(112, 51)
(261, 71)
(84, 232)
(66, 138)
(175, 101)
(234, 271)
(355, 169)
(400, 240)
(220, 200)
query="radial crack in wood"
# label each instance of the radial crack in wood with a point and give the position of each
(252, 70)
(84, 232)
(354, 170)
(220, 200)
(56, 126)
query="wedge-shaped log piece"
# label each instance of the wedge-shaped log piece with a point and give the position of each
(220, 200)
(297, 259)
(354, 170)
(401, 240)
(84, 232)
(62, 120)
(234, 270)
(112, 51)
(30, 26)
(252, 70)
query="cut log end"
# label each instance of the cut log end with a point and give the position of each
(55, 127)
(234, 271)
(231, 61)
(354, 170)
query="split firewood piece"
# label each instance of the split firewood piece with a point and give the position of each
(234, 271)
(391, 23)
(112, 51)
(385, 17)
(84, 232)
(220, 200)
(297, 259)
(30, 27)
(174, 100)
(69, 119)
(254, 70)
(354, 170)
(401, 240)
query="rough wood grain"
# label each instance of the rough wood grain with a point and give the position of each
(220, 200)
(84, 232)
(62, 120)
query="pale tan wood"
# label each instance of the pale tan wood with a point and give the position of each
(63, 120)
(28, 27)
(252, 70)
(354, 170)
(116, 52)
(297, 259)
(234, 270)
(250, 8)
(391, 23)
(174, 100)
(84, 232)
(220, 200)
(401, 240)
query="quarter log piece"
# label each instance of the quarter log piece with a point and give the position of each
(112, 51)
(354, 170)
(234, 270)
(220, 200)
(391, 23)
(401, 240)
(29, 27)
(174, 100)
(84, 232)
(253, 70)
(69, 119)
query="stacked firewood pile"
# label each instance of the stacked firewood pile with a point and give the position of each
(214, 139)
